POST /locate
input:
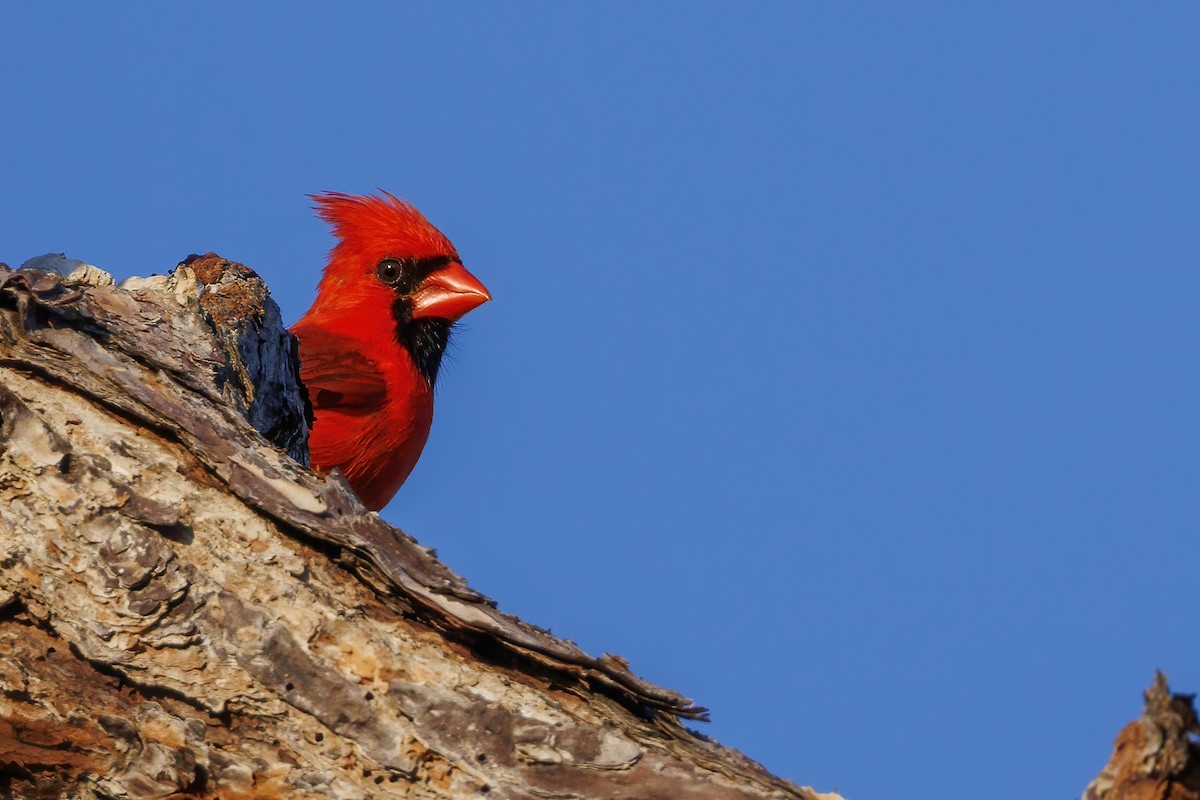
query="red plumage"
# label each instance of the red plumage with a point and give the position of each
(372, 342)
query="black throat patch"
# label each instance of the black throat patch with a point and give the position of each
(425, 339)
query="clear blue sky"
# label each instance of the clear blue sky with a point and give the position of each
(842, 371)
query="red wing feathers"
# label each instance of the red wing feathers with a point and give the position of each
(338, 375)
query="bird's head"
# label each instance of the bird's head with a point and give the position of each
(389, 258)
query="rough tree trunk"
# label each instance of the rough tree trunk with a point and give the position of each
(185, 610)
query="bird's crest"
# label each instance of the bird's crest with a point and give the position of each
(371, 228)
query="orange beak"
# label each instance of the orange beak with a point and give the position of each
(448, 294)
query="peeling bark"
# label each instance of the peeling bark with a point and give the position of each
(187, 610)
(1155, 757)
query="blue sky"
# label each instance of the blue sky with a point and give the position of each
(842, 367)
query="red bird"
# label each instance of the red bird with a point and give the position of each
(371, 344)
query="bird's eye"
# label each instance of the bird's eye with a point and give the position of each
(389, 271)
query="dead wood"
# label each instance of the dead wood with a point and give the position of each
(187, 610)
(1155, 757)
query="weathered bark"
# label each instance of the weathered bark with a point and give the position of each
(187, 610)
(1154, 757)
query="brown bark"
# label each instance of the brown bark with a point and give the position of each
(1154, 757)
(185, 610)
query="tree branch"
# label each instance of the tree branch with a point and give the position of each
(185, 608)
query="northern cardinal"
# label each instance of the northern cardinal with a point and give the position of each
(371, 344)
